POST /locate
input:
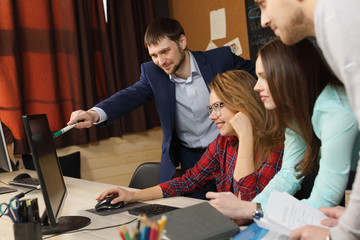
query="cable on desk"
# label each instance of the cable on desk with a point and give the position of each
(4, 183)
(91, 229)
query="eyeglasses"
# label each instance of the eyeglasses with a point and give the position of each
(215, 108)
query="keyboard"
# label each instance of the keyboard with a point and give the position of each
(25, 182)
(152, 210)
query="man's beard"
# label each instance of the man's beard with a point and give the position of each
(298, 29)
(181, 62)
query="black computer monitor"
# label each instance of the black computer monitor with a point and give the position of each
(50, 176)
(5, 164)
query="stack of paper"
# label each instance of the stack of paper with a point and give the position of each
(286, 213)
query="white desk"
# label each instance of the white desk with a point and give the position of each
(81, 196)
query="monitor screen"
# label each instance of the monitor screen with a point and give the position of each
(50, 176)
(5, 163)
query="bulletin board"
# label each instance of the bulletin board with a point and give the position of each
(194, 16)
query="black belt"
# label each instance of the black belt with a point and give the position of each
(199, 150)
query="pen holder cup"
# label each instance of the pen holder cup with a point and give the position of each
(28, 231)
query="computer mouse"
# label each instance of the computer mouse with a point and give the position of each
(106, 205)
(21, 176)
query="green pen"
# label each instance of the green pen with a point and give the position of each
(65, 129)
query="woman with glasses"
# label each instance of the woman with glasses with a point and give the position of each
(242, 159)
(304, 97)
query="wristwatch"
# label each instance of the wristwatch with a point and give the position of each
(328, 237)
(258, 212)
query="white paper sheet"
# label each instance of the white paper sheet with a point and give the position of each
(218, 24)
(286, 213)
(211, 45)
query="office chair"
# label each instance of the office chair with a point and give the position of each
(146, 175)
(70, 164)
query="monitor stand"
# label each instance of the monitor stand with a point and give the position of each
(65, 224)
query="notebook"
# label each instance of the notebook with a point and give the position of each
(253, 232)
(200, 222)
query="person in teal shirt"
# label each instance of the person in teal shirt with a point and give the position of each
(305, 98)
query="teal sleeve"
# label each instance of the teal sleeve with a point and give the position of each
(337, 128)
(285, 180)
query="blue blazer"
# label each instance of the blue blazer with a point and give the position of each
(155, 84)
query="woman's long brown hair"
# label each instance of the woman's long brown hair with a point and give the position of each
(236, 90)
(296, 76)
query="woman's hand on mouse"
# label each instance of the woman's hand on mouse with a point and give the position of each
(131, 196)
(122, 195)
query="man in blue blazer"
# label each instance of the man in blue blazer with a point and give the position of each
(177, 80)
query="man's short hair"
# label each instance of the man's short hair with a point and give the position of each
(161, 28)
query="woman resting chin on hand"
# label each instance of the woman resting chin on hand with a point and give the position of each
(243, 157)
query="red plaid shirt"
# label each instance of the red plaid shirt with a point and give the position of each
(218, 162)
